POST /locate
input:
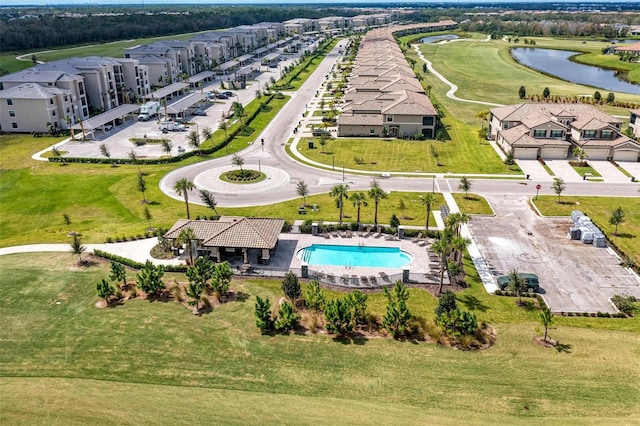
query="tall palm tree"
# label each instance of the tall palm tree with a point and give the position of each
(443, 248)
(483, 115)
(454, 222)
(427, 200)
(182, 187)
(358, 199)
(376, 193)
(339, 193)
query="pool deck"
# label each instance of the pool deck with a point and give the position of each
(424, 263)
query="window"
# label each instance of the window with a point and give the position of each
(631, 120)
(539, 133)
(589, 134)
(557, 133)
(9, 101)
(606, 134)
(51, 101)
(427, 121)
(505, 125)
(372, 131)
(12, 113)
(14, 125)
(389, 117)
(53, 113)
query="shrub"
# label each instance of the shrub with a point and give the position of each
(287, 319)
(625, 304)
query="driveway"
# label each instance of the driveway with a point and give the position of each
(574, 277)
(609, 172)
(633, 168)
(534, 169)
(562, 169)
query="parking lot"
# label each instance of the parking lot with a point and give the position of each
(574, 277)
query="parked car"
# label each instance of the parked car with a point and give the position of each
(199, 111)
(320, 132)
(222, 96)
(531, 280)
(228, 94)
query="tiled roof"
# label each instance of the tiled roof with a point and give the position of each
(360, 119)
(519, 136)
(620, 140)
(229, 231)
(32, 91)
(582, 112)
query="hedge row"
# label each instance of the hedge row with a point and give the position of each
(177, 158)
(136, 265)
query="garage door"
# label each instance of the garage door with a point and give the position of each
(525, 153)
(597, 154)
(550, 153)
(625, 155)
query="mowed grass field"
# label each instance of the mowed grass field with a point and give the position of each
(157, 362)
(599, 209)
(485, 71)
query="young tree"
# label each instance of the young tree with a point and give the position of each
(149, 279)
(238, 110)
(236, 160)
(264, 321)
(57, 154)
(617, 217)
(104, 290)
(403, 208)
(194, 292)
(546, 93)
(206, 133)
(194, 140)
(358, 199)
(427, 200)
(208, 198)
(142, 187)
(558, 187)
(147, 216)
(517, 284)
(104, 150)
(579, 153)
(357, 303)
(291, 287)
(447, 303)
(522, 92)
(287, 317)
(67, 220)
(339, 193)
(133, 157)
(376, 193)
(465, 185)
(435, 154)
(338, 317)
(611, 98)
(221, 279)
(77, 248)
(201, 271)
(167, 146)
(302, 190)
(314, 297)
(224, 126)
(483, 115)
(118, 273)
(397, 315)
(546, 320)
(182, 187)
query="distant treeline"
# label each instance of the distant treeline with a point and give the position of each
(43, 28)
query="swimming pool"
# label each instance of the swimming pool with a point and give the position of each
(367, 256)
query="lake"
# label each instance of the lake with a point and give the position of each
(557, 63)
(433, 39)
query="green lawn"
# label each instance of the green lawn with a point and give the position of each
(485, 71)
(599, 210)
(461, 153)
(62, 355)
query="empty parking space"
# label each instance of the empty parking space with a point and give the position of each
(574, 277)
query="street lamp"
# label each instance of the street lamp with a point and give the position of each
(433, 184)
(333, 162)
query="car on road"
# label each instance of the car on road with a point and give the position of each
(531, 280)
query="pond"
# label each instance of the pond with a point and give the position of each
(433, 39)
(557, 63)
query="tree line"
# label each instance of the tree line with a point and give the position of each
(52, 29)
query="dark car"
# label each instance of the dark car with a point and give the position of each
(199, 111)
(531, 281)
(222, 96)
(228, 94)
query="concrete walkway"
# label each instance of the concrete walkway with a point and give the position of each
(139, 250)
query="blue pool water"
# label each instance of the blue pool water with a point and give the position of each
(377, 257)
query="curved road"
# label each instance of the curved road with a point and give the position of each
(320, 180)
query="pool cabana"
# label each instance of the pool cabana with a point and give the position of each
(232, 236)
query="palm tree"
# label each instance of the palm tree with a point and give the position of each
(358, 199)
(167, 146)
(163, 102)
(77, 248)
(339, 193)
(185, 237)
(427, 200)
(483, 115)
(454, 222)
(443, 248)
(546, 319)
(182, 187)
(376, 193)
